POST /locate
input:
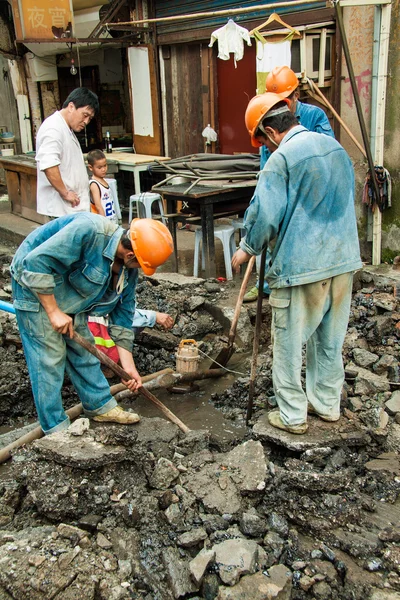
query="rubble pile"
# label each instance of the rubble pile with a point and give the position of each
(188, 300)
(149, 513)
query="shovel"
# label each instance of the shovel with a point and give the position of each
(225, 354)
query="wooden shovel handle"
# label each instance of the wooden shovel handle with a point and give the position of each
(239, 302)
(124, 375)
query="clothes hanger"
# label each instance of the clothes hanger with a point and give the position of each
(274, 17)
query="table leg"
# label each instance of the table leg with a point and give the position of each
(171, 208)
(207, 226)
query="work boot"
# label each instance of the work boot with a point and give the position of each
(117, 415)
(252, 295)
(275, 420)
(330, 418)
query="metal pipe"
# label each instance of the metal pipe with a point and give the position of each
(218, 13)
(7, 307)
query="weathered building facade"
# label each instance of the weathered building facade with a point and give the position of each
(160, 84)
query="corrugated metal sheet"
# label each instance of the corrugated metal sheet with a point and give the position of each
(168, 8)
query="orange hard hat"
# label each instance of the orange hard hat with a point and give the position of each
(281, 80)
(256, 110)
(151, 243)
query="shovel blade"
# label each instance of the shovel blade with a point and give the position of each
(223, 357)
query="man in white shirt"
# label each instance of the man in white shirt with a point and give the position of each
(62, 180)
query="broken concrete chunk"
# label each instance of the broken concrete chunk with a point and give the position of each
(252, 524)
(71, 533)
(66, 559)
(388, 461)
(79, 427)
(363, 358)
(191, 538)
(235, 558)
(279, 524)
(393, 405)
(390, 534)
(103, 542)
(250, 464)
(368, 383)
(276, 586)
(178, 574)
(81, 452)
(173, 514)
(315, 454)
(199, 564)
(164, 474)
(387, 362)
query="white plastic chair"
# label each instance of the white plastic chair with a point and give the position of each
(144, 203)
(223, 233)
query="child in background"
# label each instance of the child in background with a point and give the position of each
(101, 200)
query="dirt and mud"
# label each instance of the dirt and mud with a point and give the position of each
(107, 512)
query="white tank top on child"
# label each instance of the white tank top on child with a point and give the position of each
(106, 199)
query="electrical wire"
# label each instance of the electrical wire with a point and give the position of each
(217, 363)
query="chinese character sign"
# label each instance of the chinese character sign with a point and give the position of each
(39, 16)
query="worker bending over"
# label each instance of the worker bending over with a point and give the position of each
(304, 200)
(64, 270)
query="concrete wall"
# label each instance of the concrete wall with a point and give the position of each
(391, 218)
(359, 24)
(8, 106)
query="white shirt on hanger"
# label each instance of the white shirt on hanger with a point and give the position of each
(231, 38)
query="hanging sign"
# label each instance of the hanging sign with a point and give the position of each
(45, 19)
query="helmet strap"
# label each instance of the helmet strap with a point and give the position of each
(267, 135)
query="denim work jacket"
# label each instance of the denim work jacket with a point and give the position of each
(72, 257)
(312, 118)
(304, 199)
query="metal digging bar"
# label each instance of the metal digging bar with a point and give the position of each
(256, 341)
(125, 376)
(360, 115)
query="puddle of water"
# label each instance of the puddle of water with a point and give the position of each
(194, 408)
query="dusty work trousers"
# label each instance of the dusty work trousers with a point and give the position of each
(48, 356)
(317, 315)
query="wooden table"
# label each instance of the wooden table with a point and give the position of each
(209, 202)
(21, 178)
(135, 163)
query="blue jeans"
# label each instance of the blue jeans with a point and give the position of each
(48, 356)
(315, 314)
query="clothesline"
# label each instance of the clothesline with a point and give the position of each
(218, 13)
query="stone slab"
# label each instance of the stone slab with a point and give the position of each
(81, 452)
(320, 433)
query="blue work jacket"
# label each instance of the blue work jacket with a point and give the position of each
(312, 118)
(304, 199)
(72, 257)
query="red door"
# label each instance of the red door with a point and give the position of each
(235, 88)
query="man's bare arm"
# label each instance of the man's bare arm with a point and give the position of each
(54, 176)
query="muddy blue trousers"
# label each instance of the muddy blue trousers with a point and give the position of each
(49, 355)
(315, 315)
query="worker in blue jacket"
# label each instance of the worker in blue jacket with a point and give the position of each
(283, 81)
(74, 266)
(304, 201)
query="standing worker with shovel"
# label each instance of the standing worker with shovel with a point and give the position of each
(283, 81)
(304, 200)
(64, 270)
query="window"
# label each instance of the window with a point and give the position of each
(305, 54)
